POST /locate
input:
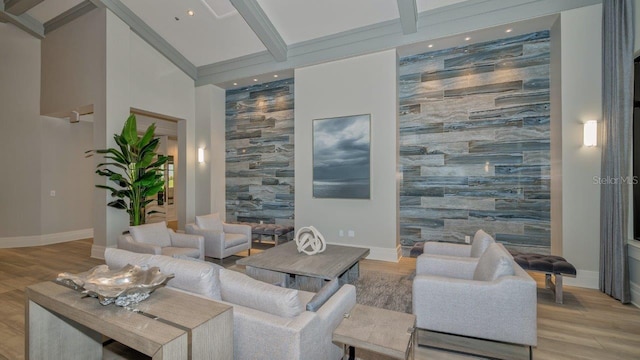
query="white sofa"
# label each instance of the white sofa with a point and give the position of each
(269, 322)
(490, 297)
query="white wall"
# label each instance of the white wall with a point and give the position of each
(555, 89)
(67, 171)
(39, 154)
(360, 85)
(139, 77)
(158, 86)
(20, 136)
(217, 153)
(210, 134)
(581, 62)
(73, 69)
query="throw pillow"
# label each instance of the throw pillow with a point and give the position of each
(197, 277)
(240, 289)
(323, 295)
(480, 243)
(493, 264)
(209, 222)
(118, 258)
(154, 234)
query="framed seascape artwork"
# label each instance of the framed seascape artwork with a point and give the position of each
(342, 157)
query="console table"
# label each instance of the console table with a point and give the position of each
(61, 324)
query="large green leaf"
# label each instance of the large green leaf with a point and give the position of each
(113, 191)
(120, 166)
(150, 147)
(118, 204)
(147, 137)
(105, 172)
(161, 161)
(154, 190)
(130, 131)
(146, 161)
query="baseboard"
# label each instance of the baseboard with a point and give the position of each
(378, 253)
(45, 239)
(633, 248)
(97, 251)
(385, 254)
(635, 294)
(584, 278)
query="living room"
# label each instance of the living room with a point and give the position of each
(98, 65)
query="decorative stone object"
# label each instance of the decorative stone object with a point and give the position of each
(124, 287)
(310, 241)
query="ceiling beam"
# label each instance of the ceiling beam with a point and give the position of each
(258, 21)
(408, 16)
(23, 22)
(19, 7)
(68, 16)
(453, 19)
(149, 35)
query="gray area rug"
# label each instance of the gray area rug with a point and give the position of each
(383, 290)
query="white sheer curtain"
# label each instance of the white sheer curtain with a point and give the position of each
(617, 116)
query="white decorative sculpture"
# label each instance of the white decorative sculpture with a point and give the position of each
(310, 237)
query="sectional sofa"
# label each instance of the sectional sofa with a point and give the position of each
(269, 322)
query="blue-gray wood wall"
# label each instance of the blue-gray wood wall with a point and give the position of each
(475, 143)
(259, 153)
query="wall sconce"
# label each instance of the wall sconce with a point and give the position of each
(591, 133)
(201, 155)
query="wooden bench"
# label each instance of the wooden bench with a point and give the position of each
(273, 230)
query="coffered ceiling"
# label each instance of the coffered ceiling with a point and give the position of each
(224, 42)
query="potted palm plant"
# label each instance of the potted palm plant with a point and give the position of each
(136, 169)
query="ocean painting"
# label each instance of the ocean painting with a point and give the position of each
(341, 157)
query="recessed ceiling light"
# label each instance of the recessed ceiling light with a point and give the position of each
(191, 12)
(467, 38)
(430, 45)
(255, 79)
(234, 84)
(508, 30)
(276, 75)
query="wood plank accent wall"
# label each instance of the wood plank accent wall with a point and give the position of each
(475, 143)
(259, 153)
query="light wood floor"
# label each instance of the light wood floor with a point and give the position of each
(590, 325)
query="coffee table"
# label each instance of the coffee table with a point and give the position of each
(283, 265)
(382, 331)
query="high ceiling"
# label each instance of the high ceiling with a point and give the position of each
(231, 41)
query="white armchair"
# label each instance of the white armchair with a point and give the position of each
(480, 243)
(490, 297)
(220, 239)
(157, 239)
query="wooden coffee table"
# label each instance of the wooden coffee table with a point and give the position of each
(283, 265)
(381, 331)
